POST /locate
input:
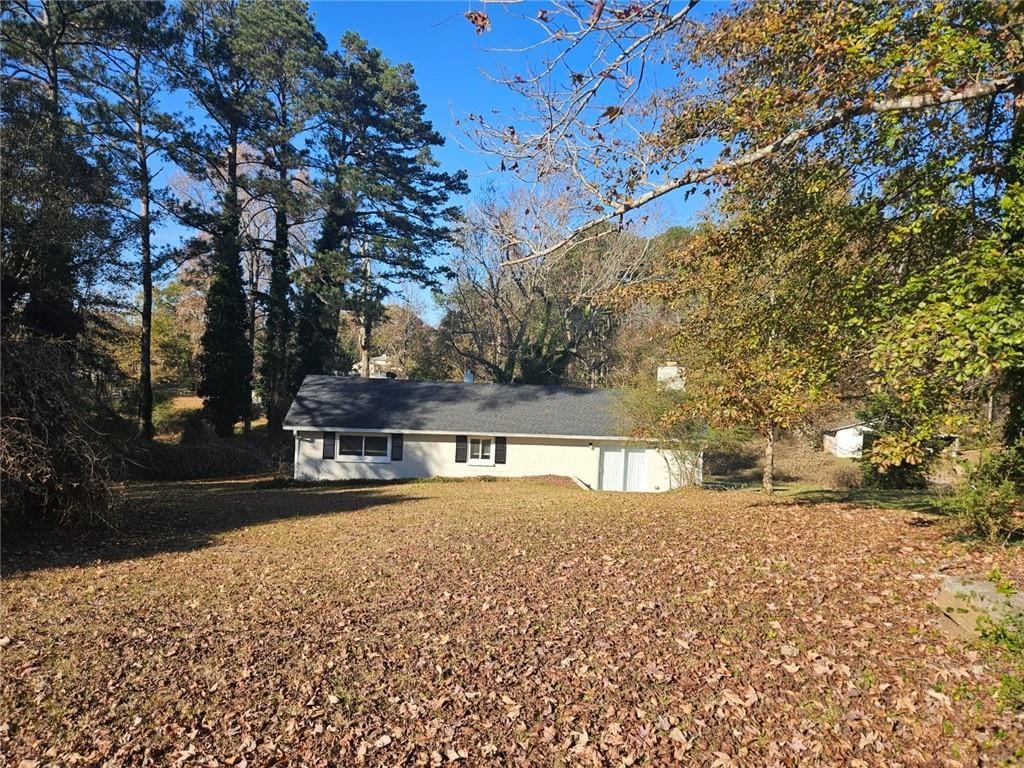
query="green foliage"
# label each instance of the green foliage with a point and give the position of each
(942, 304)
(899, 476)
(1007, 632)
(900, 447)
(387, 204)
(990, 501)
(208, 66)
(955, 326)
(652, 411)
(1002, 584)
(286, 55)
(318, 348)
(195, 430)
(226, 358)
(205, 457)
(61, 220)
(913, 108)
(178, 310)
(1011, 693)
(768, 299)
(129, 39)
(58, 214)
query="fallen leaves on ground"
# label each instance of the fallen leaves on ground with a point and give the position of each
(504, 623)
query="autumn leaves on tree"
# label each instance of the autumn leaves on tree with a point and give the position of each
(862, 157)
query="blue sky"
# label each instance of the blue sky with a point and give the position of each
(446, 54)
(450, 61)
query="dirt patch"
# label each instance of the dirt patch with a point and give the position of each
(496, 623)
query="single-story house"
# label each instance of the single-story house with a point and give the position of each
(846, 441)
(349, 428)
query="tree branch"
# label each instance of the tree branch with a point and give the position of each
(907, 103)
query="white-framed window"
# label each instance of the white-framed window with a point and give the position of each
(481, 451)
(364, 448)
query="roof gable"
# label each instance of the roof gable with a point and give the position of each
(335, 402)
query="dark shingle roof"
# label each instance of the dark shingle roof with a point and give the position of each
(326, 402)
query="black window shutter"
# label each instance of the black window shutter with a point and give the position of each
(461, 449)
(500, 445)
(397, 442)
(329, 442)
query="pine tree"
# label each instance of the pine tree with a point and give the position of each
(282, 49)
(59, 192)
(129, 40)
(226, 357)
(387, 204)
(207, 65)
(321, 297)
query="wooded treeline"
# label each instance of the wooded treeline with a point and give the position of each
(209, 198)
(301, 173)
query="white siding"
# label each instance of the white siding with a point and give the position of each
(434, 456)
(665, 472)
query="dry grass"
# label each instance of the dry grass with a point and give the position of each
(171, 415)
(796, 463)
(496, 623)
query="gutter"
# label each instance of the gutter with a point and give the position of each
(618, 438)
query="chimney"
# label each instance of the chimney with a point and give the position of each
(670, 375)
(468, 376)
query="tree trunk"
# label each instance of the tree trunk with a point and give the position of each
(1013, 378)
(364, 345)
(366, 336)
(236, 226)
(253, 285)
(146, 255)
(146, 336)
(768, 476)
(277, 327)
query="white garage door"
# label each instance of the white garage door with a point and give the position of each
(636, 469)
(611, 469)
(623, 469)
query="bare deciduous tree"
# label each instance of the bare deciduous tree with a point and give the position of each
(526, 320)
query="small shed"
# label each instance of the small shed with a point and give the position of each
(846, 441)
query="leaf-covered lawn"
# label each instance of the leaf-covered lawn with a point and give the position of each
(497, 623)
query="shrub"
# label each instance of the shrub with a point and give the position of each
(893, 477)
(168, 419)
(1011, 692)
(56, 457)
(990, 502)
(195, 429)
(847, 477)
(203, 459)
